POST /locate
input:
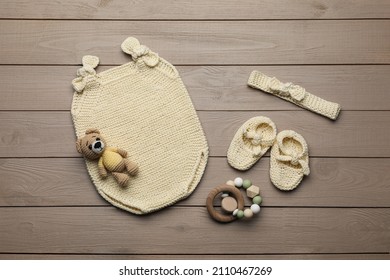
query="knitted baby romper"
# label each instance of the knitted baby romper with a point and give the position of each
(144, 108)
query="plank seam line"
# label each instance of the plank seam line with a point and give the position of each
(199, 110)
(205, 65)
(211, 156)
(199, 254)
(198, 19)
(195, 206)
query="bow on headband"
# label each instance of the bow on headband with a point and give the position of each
(287, 89)
(295, 160)
(137, 51)
(86, 73)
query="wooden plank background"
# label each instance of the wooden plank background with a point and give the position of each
(338, 50)
(190, 10)
(199, 42)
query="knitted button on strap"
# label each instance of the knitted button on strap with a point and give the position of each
(251, 142)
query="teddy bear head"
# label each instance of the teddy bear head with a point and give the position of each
(92, 145)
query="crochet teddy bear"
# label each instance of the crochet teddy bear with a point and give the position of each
(93, 146)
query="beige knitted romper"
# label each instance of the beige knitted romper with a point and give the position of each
(144, 108)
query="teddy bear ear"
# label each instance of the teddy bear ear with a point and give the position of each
(92, 130)
(78, 145)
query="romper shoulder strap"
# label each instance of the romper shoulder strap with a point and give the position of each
(140, 52)
(86, 73)
(146, 59)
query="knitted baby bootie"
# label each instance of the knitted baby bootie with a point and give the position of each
(251, 141)
(289, 160)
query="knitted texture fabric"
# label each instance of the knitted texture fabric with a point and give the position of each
(144, 108)
(289, 160)
(251, 141)
(295, 94)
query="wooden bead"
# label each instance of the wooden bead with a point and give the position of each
(238, 182)
(235, 212)
(248, 213)
(229, 204)
(230, 183)
(224, 195)
(240, 214)
(246, 184)
(255, 208)
(253, 191)
(257, 200)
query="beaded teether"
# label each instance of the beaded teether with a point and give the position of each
(232, 202)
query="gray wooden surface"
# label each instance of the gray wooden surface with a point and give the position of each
(339, 50)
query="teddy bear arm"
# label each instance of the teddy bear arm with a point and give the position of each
(101, 169)
(112, 149)
(122, 152)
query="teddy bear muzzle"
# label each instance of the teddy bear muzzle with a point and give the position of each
(97, 146)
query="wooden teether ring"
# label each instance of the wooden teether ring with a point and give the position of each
(218, 216)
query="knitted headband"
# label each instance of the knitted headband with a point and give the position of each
(144, 108)
(295, 94)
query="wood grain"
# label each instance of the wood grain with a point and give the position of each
(199, 42)
(186, 9)
(91, 230)
(354, 134)
(195, 257)
(211, 87)
(333, 182)
(336, 49)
